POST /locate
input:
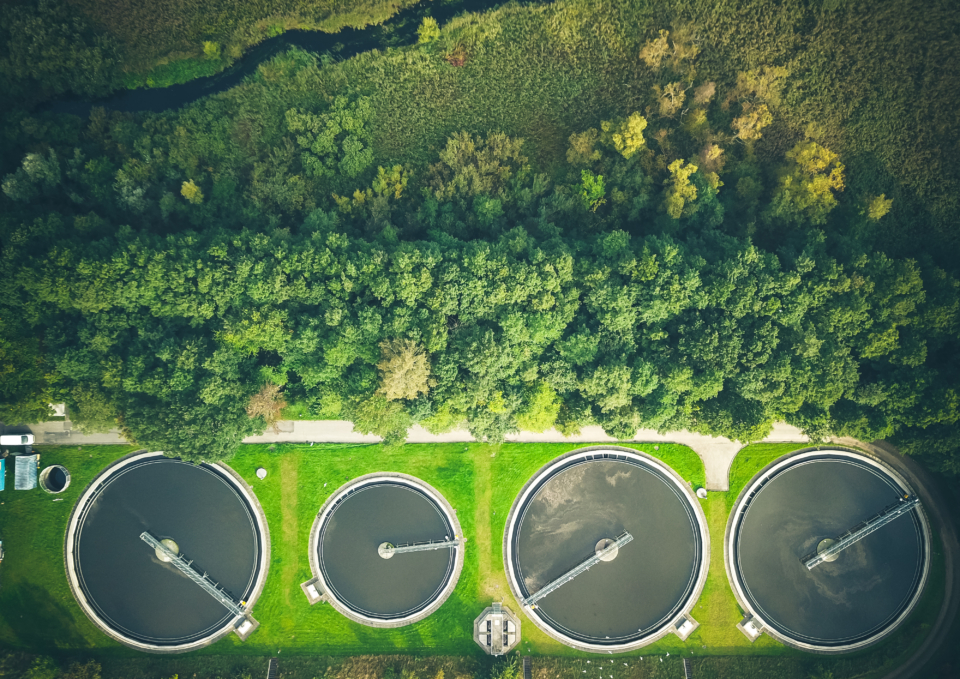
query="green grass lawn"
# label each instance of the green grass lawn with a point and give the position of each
(38, 612)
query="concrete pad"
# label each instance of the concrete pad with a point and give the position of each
(751, 628)
(245, 626)
(311, 589)
(685, 626)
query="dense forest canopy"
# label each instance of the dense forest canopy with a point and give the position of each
(713, 217)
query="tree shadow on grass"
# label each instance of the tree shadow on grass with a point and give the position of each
(37, 619)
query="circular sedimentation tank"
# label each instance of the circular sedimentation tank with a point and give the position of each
(575, 507)
(351, 543)
(798, 506)
(127, 588)
(55, 479)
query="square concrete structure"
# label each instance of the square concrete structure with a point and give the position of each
(497, 630)
(750, 627)
(245, 626)
(684, 627)
(311, 589)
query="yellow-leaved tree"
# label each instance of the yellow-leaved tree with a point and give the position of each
(582, 151)
(752, 122)
(807, 183)
(681, 192)
(654, 51)
(878, 207)
(404, 369)
(267, 403)
(670, 98)
(626, 136)
(191, 192)
(540, 411)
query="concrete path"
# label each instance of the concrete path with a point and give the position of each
(716, 452)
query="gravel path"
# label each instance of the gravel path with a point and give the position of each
(716, 452)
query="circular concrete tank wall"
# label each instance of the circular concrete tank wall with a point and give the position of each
(55, 479)
(786, 512)
(594, 495)
(140, 599)
(345, 550)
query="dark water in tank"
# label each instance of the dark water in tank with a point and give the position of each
(56, 480)
(846, 600)
(134, 591)
(648, 582)
(369, 584)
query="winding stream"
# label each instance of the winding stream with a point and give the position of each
(399, 30)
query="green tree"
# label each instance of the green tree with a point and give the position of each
(386, 419)
(592, 191)
(472, 166)
(42, 668)
(428, 31)
(337, 140)
(26, 392)
(87, 670)
(91, 411)
(50, 45)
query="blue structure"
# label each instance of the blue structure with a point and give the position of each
(3, 474)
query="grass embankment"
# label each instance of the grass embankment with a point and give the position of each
(481, 481)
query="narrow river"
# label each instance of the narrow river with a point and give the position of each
(400, 30)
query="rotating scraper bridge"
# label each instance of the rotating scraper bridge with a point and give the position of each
(201, 579)
(605, 553)
(860, 531)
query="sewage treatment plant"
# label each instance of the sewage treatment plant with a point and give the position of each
(167, 556)
(605, 549)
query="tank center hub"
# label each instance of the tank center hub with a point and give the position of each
(169, 544)
(606, 544)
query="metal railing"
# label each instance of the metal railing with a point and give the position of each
(185, 567)
(861, 530)
(583, 567)
(422, 546)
